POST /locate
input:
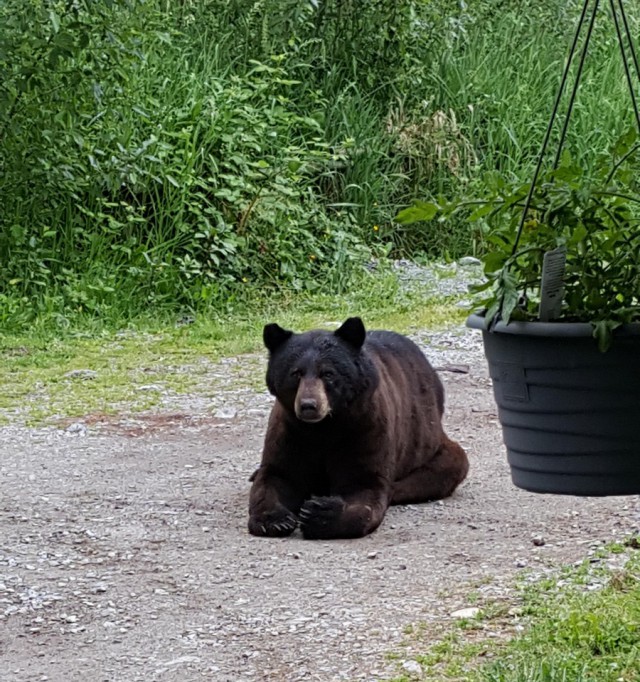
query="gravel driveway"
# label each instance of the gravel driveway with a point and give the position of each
(124, 553)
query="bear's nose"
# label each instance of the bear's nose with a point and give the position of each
(308, 405)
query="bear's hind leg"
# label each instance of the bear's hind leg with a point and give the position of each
(435, 480)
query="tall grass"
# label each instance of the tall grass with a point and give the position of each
(490, 93)
(502, 83)
(164, 155)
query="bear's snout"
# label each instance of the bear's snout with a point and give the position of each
(312, 403)
(308, 404)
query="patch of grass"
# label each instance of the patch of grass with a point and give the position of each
(582, 625)
(132, 368)
(582, 630)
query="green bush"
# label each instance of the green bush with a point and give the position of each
(157, 172)
(165, 154)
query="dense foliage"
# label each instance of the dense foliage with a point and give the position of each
(588, 222)
(159, 153)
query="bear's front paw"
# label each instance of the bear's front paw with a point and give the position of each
(274, 524)
(320, 517)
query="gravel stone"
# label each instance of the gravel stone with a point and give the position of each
(470, 612)
(412, 667)
(77, 429)
(470, 261)
(81, 374)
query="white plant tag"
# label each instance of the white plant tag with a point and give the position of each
(552, 284)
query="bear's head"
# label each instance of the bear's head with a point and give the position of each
(318, 373)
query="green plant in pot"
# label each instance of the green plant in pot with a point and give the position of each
(560, 314)
(576, 255)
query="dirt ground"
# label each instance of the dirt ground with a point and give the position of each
(124, 553)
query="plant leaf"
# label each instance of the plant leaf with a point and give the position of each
(509, 295)
(421, 210)
(603, 333)
(55, 21)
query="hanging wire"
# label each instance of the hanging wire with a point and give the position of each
(634, 58)
(576, 84)
(625, 60)
(623, 14)
(556, 106)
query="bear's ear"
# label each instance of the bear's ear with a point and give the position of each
(352, 331)
(274, 336)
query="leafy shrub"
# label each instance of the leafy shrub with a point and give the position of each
(589, 219)
(179, 183)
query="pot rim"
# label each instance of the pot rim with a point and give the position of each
(552, 329)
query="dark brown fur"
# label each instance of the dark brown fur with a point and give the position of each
(357, 426)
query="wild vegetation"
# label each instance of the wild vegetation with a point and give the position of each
(182, 156)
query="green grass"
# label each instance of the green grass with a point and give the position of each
(135, 363)
(582, 625)
(503, 96)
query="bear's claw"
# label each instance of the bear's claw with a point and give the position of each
(319, 515)
(273, 525)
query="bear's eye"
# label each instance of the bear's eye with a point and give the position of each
(296, 373)
(327, 374)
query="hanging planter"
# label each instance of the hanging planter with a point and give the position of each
(561, 305)
(570, 414)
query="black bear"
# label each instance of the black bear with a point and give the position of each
(356, 426)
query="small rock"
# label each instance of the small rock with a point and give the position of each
(226, 413)
(81, 374)
(182, 660)
(538, 541)
(412, 667)
(467, 261)
(470, 612)
(372, 555)
(150, 387)
(77, 429)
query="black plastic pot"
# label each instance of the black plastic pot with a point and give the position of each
(570, 414)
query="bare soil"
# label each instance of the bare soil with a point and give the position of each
(124, 553)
